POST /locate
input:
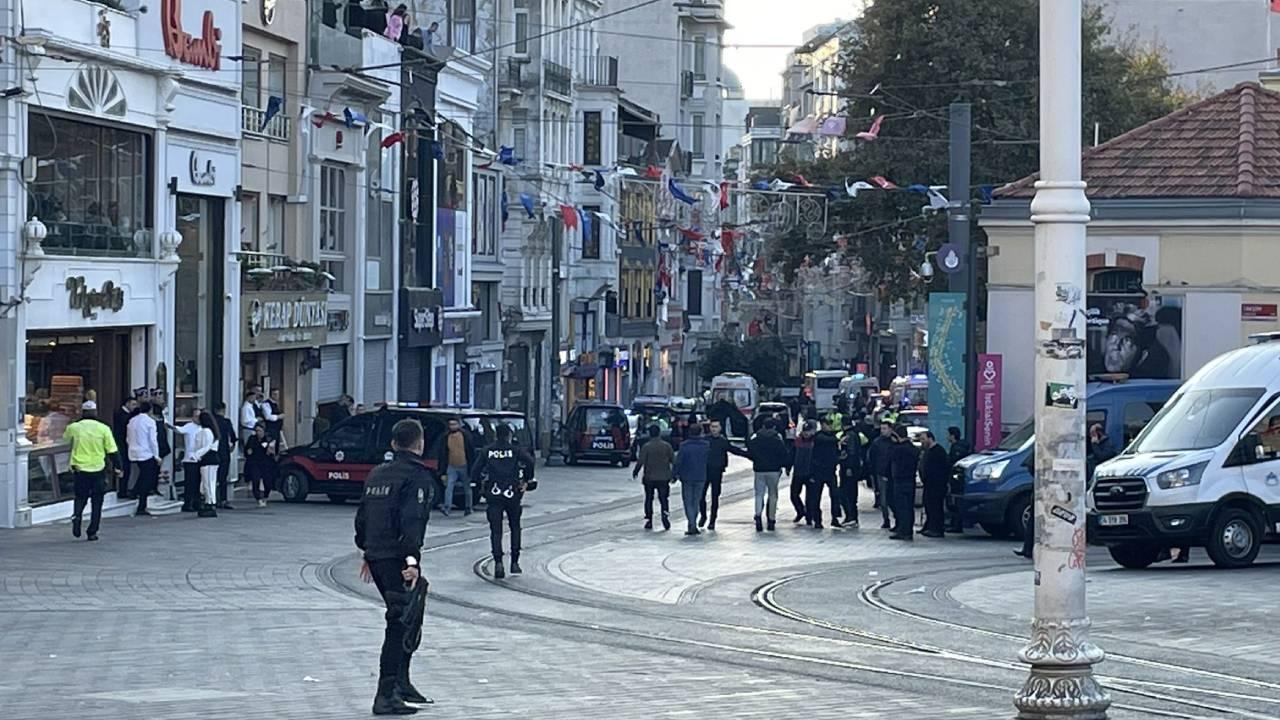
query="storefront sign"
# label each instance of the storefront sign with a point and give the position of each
(1258, 312)
(204, 51)
(990, 386)
(421, 317)
(281, 320)
(86, 299)
(202, 174)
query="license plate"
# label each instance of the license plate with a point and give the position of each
(1113, 520)
(601, 444)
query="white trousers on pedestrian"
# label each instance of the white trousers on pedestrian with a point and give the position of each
(767, 486)
(209, 483)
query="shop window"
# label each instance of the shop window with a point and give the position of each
(92, 188)
(198, 307)
(694, 302)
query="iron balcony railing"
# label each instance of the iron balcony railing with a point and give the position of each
(557, 78)
(277, 128)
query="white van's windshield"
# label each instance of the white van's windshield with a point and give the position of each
(1018, 437)
(1195, 420)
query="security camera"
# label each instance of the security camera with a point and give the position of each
(926, 269)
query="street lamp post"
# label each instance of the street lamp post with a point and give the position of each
(1061, 685)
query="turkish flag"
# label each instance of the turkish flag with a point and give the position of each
(1275, 5)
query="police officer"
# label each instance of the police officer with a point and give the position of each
(390, 524)
(510, 471)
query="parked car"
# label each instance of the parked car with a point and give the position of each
(597, 431)
(337, 462)
(998, 483)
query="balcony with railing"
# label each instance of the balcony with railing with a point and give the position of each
(600, 71)
(557, 78)
(511, 77)
(275, 272)
(277, 128)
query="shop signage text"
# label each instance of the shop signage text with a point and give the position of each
(202, 176)
(204, 51)
(277, 320)
(421, 316)
(1258, 311)
(990, 388)
(86, 300)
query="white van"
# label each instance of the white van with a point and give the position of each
(823, 386)
(1205, 472)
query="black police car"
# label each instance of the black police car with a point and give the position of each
(337, 463)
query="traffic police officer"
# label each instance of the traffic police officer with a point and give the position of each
(390, 525)
(510, 471)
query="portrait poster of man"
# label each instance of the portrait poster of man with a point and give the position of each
(1136, 334)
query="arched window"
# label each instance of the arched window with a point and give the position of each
(1116, 280)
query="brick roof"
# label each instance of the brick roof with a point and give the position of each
(1225, 146)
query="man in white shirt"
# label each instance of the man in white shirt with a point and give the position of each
(249, 411)
(144, 452)
(190, 464)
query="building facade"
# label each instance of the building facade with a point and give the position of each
(121, 234)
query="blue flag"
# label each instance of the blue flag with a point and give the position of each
(678, 193)
(354, 116)
(987, 193)
(437, 149)
(585, 217)
(275, 103)
(507, 155)
(527, 202)
(599, 185)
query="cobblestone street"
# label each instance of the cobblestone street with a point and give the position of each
(259, 614)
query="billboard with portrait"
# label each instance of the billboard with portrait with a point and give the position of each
(1136, 334)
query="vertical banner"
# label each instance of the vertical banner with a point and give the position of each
(990, 378)
(446, 255)
(947, 372)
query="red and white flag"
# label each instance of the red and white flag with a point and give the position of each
(1275, 6)
(874, 132)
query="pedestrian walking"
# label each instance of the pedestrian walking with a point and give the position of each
(120, 433)
(93, 445)
(691, 469)
(259, 464)
(189, 432)
(144, 453)
(959, 450)
(653, 466)
(206, 460)
(903, 464)
(826, 456)
(769, 457)
(227, 440)
(509, 468)
(802, 469)
(718, 450)
(455, 453)
(879, 457)
(935, 471)
(390, 525)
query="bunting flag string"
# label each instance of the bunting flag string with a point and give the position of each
(570, 216)
(275, 104)
(353, 117)
(678, 192)
(392, 139)
(834, 126)
(871, 134)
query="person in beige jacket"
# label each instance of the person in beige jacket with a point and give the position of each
(654, 460)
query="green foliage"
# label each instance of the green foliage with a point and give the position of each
(926, 54)
(763, 358)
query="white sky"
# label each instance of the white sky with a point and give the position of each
(769, 22)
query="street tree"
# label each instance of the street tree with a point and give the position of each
(908, 60)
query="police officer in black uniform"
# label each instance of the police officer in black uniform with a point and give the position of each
(510, 471)
(390, 525)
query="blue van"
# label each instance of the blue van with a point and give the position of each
(997, 483)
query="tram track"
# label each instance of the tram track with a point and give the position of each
(870, 641)
(763, 596)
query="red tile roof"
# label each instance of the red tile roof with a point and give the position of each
(1225, 146)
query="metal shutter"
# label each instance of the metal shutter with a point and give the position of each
(375, 372)
(332, 373)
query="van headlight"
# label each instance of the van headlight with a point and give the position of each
(1182, 477)
(990, 471)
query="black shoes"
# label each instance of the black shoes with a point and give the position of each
(884, 525)
(92, 537)
(666, 521)
(392, 706)
(515, 568)
(225, 506)
(648, 523)
(771, 525)
(410, 694)
(693, 531)
(711, 525)
(817, 525)
(1021, 554)
(142, 513)
(75, 527)
(188, 508)
(835, 523)
(799, 517)
(931, 534)
(702, 521)
(759, 524)
(498, 571)
(900, 536)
